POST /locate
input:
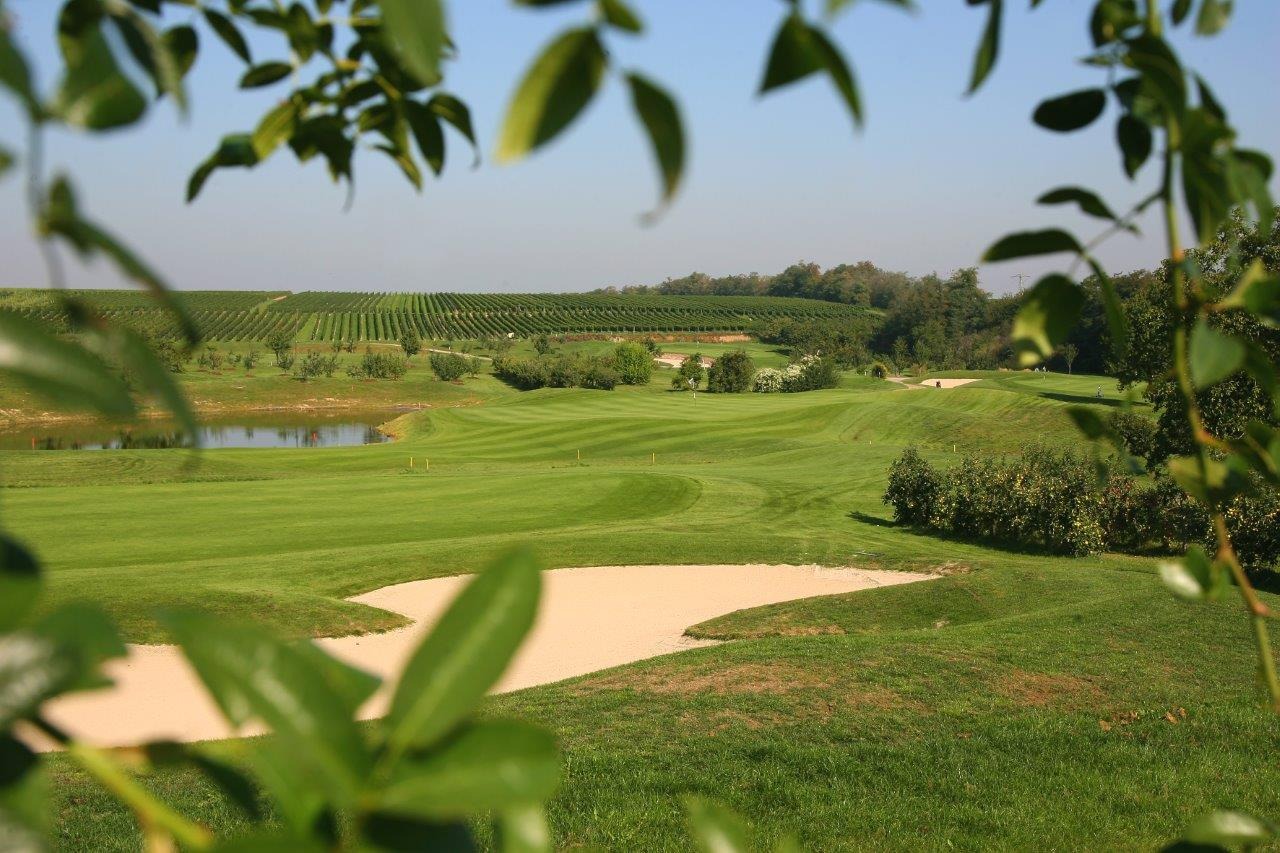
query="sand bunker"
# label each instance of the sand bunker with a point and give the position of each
(930, 383)
(590, 619)
(675, 359)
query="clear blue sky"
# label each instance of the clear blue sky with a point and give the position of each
(932, 180)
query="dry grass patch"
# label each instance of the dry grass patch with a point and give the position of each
(747, 678)
(1041, 690)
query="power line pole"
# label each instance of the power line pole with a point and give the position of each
(1019, 276)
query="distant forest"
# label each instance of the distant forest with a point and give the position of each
(926, 321)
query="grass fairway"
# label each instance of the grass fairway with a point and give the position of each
(1024, 702)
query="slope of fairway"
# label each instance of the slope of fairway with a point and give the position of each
(639, 475)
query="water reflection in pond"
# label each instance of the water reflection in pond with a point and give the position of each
(339, 430)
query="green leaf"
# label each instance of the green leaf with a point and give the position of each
(793, 56)
(230, 35)
(62, 217)
(94, 93)
(1089, 422)
(425, 126)
(1214, 356)
(1248, 176)
(16, 76)
(1089, 202)
(31, 670)
(1179, 11)
(1258, 293)
(62, 372)
(235, 785)
(839, 72)
(1134, 138)
(1194, 577)
(556, 88)
(465, 653)
(402, 158)
(619, 15)
(1048, 312)
(131, 350)
(183, 45)
(1206, 183)
(19, 582)
(1162, 77)
(1110, 19)
(715, 828)
(154, 53)
(87, 637)
(236, 149)
(252, 675)
(298, 800)
(6, 160)
(484, 766)
(354, 685)
(1071, 111)
(265, 74)
(1220, 481)
(988, 48)
(660, 117)
(1213, 16)
(1024, 244)
(456, 113)
(392, 832)
(414, 31)
(523, 829)
(273, 129)
(1117, 322)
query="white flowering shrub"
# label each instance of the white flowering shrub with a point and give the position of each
(768, 380)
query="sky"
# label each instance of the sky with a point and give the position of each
(933, 178)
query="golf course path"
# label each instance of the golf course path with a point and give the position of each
(589, 619)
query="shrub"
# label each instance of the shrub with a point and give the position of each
(251, 358)
(731, 373)
(690, 374)
(210, 358)
(280, 342)
(523, 373)
(1254, 522)
(913, 489)
(1137, 433)
(448, 366)
(378, 366)
(1044, 497)
(542, 345)
(410, 342)
(768, 380)
(880, 370)
(314, 364)
(810, 373)
(474, 367)
(600, 375)
(562, 371)
(633, 364)
(169, 353)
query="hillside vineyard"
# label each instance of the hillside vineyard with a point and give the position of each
(333, 316)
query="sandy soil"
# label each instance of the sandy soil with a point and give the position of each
(675, 359)
(590, 619)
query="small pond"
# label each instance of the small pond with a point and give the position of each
(282, 429)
